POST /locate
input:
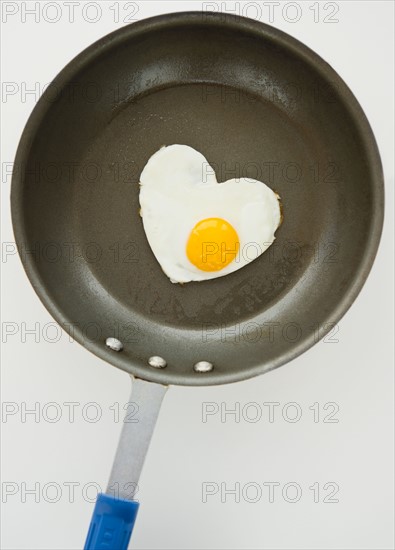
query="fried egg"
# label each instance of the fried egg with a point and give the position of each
(199, 229)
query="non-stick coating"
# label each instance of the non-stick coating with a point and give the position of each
(256, 103)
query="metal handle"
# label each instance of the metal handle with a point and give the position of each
(115, 512)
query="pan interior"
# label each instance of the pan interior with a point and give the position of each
(255, 108)
(238, 134)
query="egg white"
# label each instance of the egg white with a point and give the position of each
(179, 189)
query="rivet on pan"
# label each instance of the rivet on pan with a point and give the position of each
(157, 362)
(203, 366)
(114, 344)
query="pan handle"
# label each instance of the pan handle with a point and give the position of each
(115, 511)
(111, 524)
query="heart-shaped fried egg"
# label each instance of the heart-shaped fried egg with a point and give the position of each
(197, 228)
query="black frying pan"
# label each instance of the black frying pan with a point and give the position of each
(257, 103)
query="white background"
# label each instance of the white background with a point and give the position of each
(355, 372)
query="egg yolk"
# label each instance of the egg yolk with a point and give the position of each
(212, 244)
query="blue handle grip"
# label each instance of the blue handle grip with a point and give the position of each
(112, 523)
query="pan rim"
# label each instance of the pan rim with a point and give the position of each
(235, 23)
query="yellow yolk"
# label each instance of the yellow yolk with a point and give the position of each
(212, 244)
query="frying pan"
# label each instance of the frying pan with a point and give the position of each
(257, 103)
